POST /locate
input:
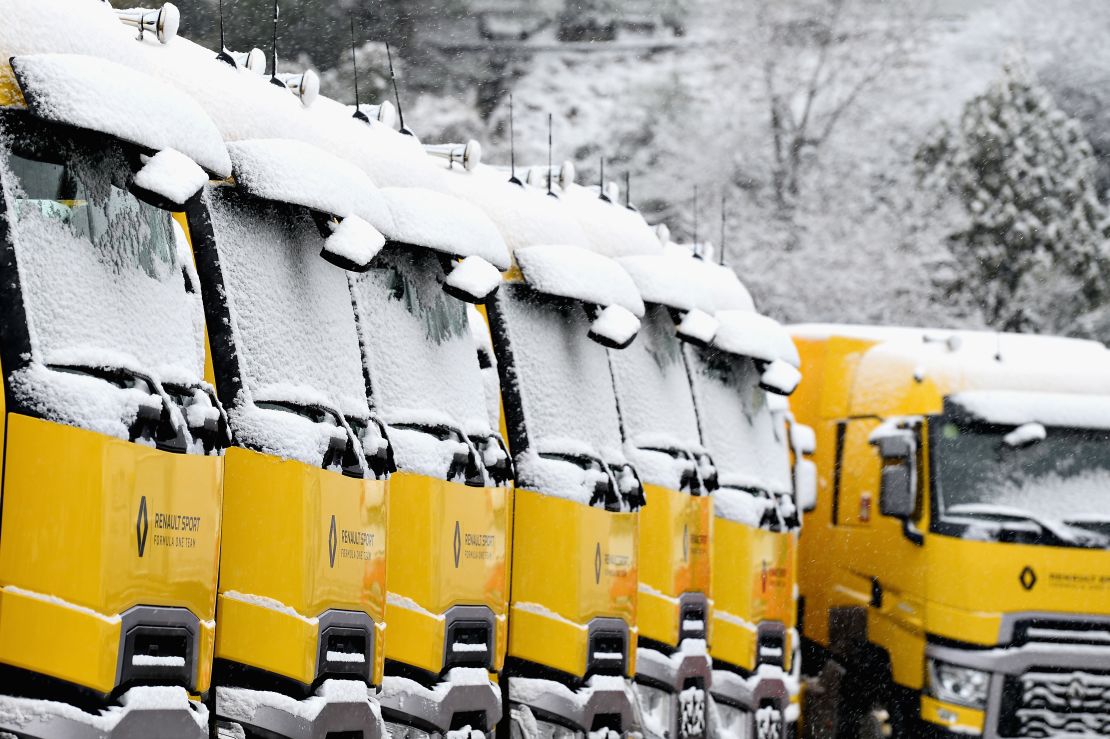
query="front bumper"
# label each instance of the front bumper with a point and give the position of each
(604, 701)
(686, 676)
(465, 691)
(144, 712)
(766, 704)
(339, 706)
(1036, 690)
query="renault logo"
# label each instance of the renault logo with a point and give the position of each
(141, 527)
(458, 544)
(1028, 578)
(597, 564)
(333, 542)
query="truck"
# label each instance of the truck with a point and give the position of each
(955, 563)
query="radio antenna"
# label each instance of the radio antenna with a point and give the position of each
(628, 190)
(696, 247)
(354, 66)
(550, 147)
(396, 92)
(223, 56)
(273, 77)
(601, 183)
(724, 214)
(512, 145)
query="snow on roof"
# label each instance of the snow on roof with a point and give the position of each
(718, 287)
(579, 274)
(99, 95)
(1013, 408)
(444, 223)
(289, 171)
(664, 279)
(748, 334)
(612, 229)
(525, 216)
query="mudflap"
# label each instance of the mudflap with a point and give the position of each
(144, 712)
(339, 707)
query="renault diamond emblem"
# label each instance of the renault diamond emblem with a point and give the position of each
(141, 527)
(333, 541)
(458, 544)
(597, 564)
(1028, 578)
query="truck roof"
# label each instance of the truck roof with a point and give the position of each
(883, 371)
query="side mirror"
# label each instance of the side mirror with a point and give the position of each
(473, 280)
(614, 327)
(352, 245)
(805, 483)
(897, 492)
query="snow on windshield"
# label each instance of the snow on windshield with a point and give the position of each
(745, 439)
(566, 391)
(1064, 477)
(290, 309)
(657, 408)
(102, 279)
(418, 350)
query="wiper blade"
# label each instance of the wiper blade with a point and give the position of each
(1057, 528)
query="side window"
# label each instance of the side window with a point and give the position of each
(859, 474)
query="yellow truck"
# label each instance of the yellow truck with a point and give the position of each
(956, 576)
(113, 439)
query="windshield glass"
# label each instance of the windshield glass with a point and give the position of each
(745, 439)
(656, 405)
(291, 310)
(566, 392)
(1063, 478)
(103, 275)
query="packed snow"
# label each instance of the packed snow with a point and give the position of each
(100, 95)
(443, 223)
(615, 326)
(172, 175)
(748, 334)
(474, 277)
(1016, 408)
(579, 274)
(612, 230)
(354, 242)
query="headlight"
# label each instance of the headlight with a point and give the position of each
(404, 731)
(656, 708)
(964, 686)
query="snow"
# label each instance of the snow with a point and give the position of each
(491, 380)
(698, 326)
(474, 277)
(541, 610)
(739, 429)
(151, 660)
(463, 647)
(781, 377)
(420, 356)
(665, 279)
(395, 600)
(242, 704)
(529, 690)
(576, 273)
(565, 390)
(803, 438)
(740, 506)
(749, 334)
(612, 230)
(1017, 408)
(717, 288)
(28, 712)
(288, 171)
(172, 175)
(616, 325)
(657, 408)
(271, 604)
(1025, 435)
(355, 242)
(111, 620)
(348, 657)
(103, 96)
(443, 223)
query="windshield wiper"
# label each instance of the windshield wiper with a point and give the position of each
(465, 464)
(1058, 529)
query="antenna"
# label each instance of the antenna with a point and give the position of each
(354, 65)
(550, 146)
(396, 92)
(998, 346)
(273, 77)
(628, 190)
(601, 183)
(724, 227)
(223, 56)
(513, 180)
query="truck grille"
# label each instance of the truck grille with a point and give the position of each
(1053, 703)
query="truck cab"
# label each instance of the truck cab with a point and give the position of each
(957, 555)
(113, 438)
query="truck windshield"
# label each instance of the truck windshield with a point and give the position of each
(421, 359)
(1055, 487)
(292, 321)
(103, 278)
(562, 377)
(747, 443)
(657, 408)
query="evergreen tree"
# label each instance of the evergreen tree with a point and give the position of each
(1033, 255)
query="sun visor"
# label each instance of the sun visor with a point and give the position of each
(1017, 407)
(579, 274)
(98, 95)
(664, 280)
(748, 334)
(288, 171)
(443, 223)
(612, 229)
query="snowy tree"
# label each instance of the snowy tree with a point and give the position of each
(1033, 253)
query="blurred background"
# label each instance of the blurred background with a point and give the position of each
(936, 162)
